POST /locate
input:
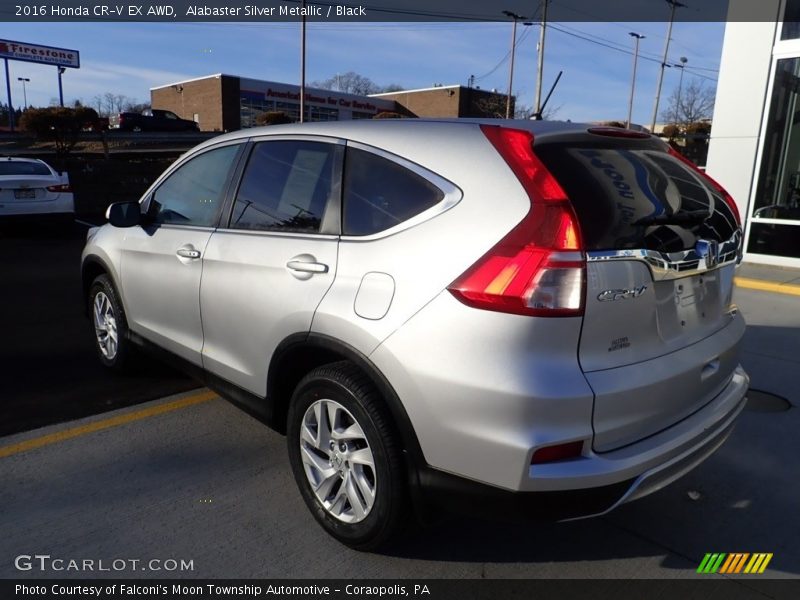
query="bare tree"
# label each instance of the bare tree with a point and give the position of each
(133, 105)
(98, 104)
(696, 102)
(353, 83)
(523, 111)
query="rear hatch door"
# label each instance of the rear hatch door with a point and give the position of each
(661, 246)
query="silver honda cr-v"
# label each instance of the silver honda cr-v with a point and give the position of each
(533, 316)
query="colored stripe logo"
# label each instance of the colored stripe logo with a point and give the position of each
(735, 563)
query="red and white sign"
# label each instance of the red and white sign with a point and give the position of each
(47, 55)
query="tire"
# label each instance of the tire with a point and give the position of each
(109, 326)
(344, 480)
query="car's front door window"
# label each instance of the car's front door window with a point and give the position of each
(193, 194)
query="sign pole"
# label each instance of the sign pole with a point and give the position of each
(8, 91)
(60, 88)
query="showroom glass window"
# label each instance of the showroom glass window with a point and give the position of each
(775, 223)
(193, 194)
(286, 186)
(791, 20)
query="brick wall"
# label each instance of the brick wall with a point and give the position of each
(202, 97)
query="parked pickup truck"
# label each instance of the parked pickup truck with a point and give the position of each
(155, 120)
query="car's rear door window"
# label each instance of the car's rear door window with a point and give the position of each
(379, 194)
(286, 186)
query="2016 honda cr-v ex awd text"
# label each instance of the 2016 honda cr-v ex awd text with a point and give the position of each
(536, 316)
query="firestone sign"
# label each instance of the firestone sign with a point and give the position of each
(60, 57)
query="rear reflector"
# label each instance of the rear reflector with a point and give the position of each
(538, 267)
(60, 189)
(558, 452)
(722, 191)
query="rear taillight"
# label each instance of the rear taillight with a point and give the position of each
(538, 268)
(722, 191)
(59, 189)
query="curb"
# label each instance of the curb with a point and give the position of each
(767, 286)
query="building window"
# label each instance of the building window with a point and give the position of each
(776, 207)
(791, 20)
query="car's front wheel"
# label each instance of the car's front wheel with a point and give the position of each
(345, 456)
(109, 325)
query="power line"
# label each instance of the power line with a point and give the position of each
(522, 38)
(622, 50)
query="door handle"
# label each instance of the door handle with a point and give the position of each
(187, 253)
(709, 369)
(307, 267)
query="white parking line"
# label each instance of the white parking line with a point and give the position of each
(87, 224)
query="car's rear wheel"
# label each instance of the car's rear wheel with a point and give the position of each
(109, 325)
(345, 456)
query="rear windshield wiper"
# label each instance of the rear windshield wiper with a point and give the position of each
(688, 217)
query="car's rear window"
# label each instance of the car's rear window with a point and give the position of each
(379, 193)
(632, 195)
(23, 168)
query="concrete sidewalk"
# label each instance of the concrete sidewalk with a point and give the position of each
(768, 278)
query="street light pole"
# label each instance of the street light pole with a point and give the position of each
(683, 60)
(514, 17)
(638, 37)
(24, 80)
(673, 4)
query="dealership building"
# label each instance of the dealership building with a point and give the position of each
(227, 102)
(754, 149)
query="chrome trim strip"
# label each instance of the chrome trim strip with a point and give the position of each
(663, 266)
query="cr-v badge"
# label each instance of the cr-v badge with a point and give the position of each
(610, 295)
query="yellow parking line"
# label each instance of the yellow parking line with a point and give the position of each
(67, 434)
(767, 286)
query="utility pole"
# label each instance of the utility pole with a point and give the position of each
(303, 64)
(540, 64)
(638, 37)
(673, 5)
(515, 18)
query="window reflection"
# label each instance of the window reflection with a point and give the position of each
(778, 191)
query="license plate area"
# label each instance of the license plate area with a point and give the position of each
(24, 194)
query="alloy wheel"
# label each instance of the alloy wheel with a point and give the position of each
(338, 461)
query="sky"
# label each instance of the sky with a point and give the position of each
(130, 58)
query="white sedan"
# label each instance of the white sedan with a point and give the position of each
(29, 186)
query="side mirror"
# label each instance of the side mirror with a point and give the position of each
(124, 214)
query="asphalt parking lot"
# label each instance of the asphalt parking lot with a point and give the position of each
(47, 361)
(182, 475)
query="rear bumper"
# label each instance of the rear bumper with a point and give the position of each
(597, 483)
(64, 204)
